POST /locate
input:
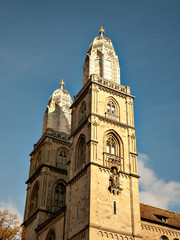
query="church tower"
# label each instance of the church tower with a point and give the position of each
(83, 180)
(102, 190)
(46, 185)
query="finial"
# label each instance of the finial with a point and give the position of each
(62, 84)
(101, 31)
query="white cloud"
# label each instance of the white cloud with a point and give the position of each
(12, 208)
(155, 191)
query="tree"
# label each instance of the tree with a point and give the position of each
(9, 227)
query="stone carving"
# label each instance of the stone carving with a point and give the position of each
(114, 181)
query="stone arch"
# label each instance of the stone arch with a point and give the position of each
(116, 237)
(100, 233)
(38, 159)
(82, 112)
(98, 64)
(80, 151)
(62, 154)
(108, 67)
(34, 198)
(106, 234)
(59, 194)
(86, 69)
(112, 107)
(113, 150)
(164, 238)
(51, 235)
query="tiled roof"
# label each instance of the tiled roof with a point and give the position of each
(160, 216)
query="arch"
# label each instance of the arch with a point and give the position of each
(34, 197)
(108, 67)
(113, 150)
(38, 159)
(80, 151)
(116, 139)
(59, 195)
(86, 70)
(82, 111)
(112, 107)
(98, 64)
(62, 155)
(51, 235)
(164, 238)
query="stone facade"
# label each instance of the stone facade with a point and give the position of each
(83, 180)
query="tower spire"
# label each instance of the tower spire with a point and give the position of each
(62, 84)
(101, 31)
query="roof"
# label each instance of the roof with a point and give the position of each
(160, 216)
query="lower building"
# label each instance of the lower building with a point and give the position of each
(83, 179)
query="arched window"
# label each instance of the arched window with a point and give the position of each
(34, 197)
(80, 151)
(111, 145)
(62, 157)
(51, 236)
(164, 238)
(113, 151)
(111, 109)
(82, 112)
(38, 159)
(59, 196)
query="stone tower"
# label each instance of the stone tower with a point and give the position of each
(102, 190)
(48, 165)
(83, 181)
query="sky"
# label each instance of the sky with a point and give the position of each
(43, 41)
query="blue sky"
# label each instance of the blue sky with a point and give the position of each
(44, 41)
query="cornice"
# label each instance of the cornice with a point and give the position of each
(110, 231)
(83, 171)
(54, 135)
(37, 173)
(100, 118)
(33, 216)
(104, 83)
(51, 218)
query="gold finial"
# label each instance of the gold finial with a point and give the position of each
(101, 31)
(62, 84)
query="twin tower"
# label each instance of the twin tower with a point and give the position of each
(83, 181)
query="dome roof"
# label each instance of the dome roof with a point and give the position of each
(58, 113)
(60, 96)
(101, 60)
(101, 41)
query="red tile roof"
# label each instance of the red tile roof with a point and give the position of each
(154, 214)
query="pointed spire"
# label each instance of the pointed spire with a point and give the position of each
(62, 84)
(101, 31)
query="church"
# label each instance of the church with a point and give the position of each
(83, 177)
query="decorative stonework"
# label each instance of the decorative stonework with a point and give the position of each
(115, 236)
(111, 160)
(160, 230)
(114, 182)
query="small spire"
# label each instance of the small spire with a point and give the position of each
(62, 84)
(101, 31)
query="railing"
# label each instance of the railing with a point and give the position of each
(111, 116)
(108, 83)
